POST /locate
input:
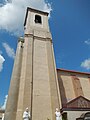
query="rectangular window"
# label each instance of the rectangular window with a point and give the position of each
(38, 19)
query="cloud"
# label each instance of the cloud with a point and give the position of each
(12, 13)
(1, 62)
(10, 51)
(86, 64)
(87, 42)
(5, 102)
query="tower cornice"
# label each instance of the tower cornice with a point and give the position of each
(38, 38)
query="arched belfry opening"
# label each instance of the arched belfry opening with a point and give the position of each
(38, 19)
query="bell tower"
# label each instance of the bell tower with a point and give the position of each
(34, 81)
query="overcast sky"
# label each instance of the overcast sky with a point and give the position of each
(70, 27)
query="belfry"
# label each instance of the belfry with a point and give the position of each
(34, 81)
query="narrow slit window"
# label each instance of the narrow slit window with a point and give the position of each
(38, 19)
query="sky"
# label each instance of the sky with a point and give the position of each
(69, 22)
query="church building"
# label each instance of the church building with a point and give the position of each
(37, 84)
(74, 90)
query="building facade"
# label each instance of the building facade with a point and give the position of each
(74, 90)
